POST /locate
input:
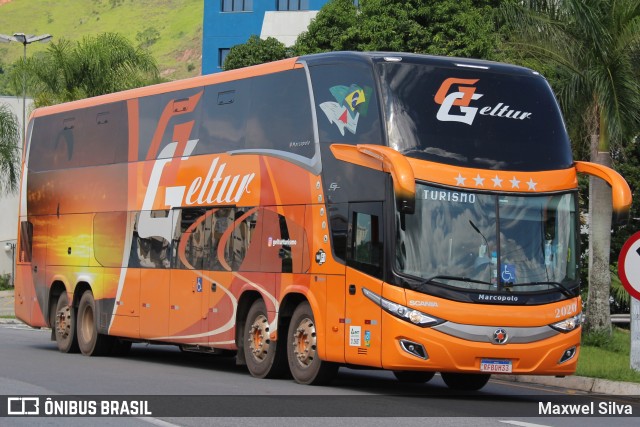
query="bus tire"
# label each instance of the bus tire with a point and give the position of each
(304, 363)
(64, 325)
(91, 342)
(413, 377)
(265, 358)
(467, 382)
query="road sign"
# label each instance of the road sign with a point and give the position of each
(629, 265)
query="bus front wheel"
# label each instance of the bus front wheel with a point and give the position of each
(304, 363)
(469, 382)
(265, 358)
(91, 342)
(64, 325)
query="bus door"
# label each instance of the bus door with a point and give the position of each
(189, 289)
(149, 266)
(219, 265)
(364, 270)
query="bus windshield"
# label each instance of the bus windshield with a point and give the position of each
(489, 242)
(473, 117)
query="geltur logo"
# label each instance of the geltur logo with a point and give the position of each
(455, 106)
(461, 99)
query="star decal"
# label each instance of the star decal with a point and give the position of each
(497, 182)
(514, 183)
(479, 181)
(531, 184)
(460, 179)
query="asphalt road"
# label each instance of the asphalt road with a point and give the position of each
(179, 385)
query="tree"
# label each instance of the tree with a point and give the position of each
(593, 45)
(93, 66)
(331, 30)
(255, 51)
(9, 150)
(449, 27)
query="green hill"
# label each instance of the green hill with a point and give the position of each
(172, 28)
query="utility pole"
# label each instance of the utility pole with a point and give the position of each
(25, 39)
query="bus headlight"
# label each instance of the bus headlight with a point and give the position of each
(400, 311)
(568, 325)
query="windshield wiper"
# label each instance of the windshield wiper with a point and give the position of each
(460, 278)
(558, 285)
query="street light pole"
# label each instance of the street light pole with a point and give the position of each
(25, 39)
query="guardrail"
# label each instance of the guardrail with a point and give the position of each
(621, 318)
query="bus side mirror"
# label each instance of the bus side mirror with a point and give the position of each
(388, 160)
(620, 191)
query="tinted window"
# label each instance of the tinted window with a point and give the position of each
(280, 114)
(150, 251)
(473, 117)
(339, 226)
(85, 137)
(26, 241)
(224, 117)
(365, 238)
(346, 104)
(162, 115)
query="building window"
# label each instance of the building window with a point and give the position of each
(293, 4)
(236, 5)
(222, 56)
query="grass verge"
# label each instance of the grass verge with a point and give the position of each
(607, 357)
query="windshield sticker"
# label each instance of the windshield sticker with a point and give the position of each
(351, 101)
(508, 273)
(456, 106)
(448, 196)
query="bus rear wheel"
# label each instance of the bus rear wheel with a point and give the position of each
(468, 382)
(91, 342)
(64, 325)
(265, 358)
(304, 363)
(413, 377)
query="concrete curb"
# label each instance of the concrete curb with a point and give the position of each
(590, 385)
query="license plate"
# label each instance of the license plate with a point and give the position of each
(495, 366)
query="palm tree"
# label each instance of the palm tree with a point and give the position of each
(9, 150)
(68, 71)
(592, 44)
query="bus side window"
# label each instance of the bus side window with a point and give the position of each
(279, 116)
(365, 238)
(151, 251)
(26, 241)
(338, 223)
(224, 116)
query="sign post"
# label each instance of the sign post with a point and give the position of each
(629, 273)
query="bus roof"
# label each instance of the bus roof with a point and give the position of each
(278, 66)
(256, 70)
(437, 61)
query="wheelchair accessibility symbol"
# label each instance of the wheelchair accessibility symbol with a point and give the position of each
(508, 273)
(199, 284)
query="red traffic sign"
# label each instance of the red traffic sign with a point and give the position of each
(629, 265)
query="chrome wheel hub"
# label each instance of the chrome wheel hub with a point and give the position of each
(304, 342)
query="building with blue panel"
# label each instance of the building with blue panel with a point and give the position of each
(231, 22)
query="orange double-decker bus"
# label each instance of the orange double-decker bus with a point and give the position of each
(412, 213)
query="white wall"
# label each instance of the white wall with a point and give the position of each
(285, 26)
(9, 202)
